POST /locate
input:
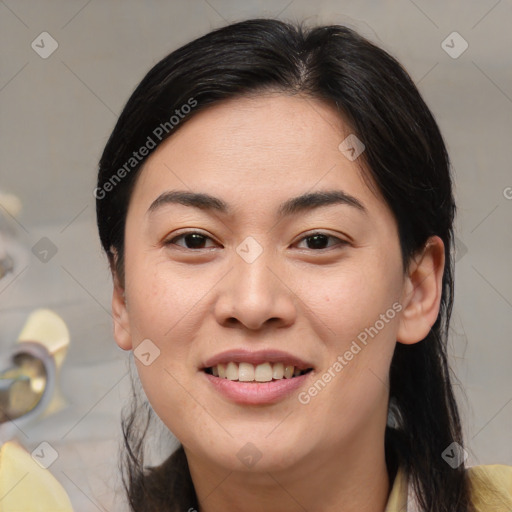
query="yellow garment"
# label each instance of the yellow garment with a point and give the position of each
(25, 486)
(492, 487)
(491, 484)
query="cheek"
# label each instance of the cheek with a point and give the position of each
(159, 299)
(352, 299)
(360, 307)
(167, 392)
(161, 311)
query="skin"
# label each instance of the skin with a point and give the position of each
(255, 153)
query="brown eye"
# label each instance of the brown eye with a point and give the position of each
(318, 241)
(193, 240)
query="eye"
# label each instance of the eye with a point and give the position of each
(194, 240)
(319, 239)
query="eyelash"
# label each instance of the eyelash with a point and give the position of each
(341, 242)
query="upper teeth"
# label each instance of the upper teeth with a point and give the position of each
(247, 372)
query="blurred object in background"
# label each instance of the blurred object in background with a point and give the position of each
(29, 376)
(10, 250)
(29, 391)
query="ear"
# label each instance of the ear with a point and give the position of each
(122, 333)
(422, 292)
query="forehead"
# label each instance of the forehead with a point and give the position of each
(262, 148)
(267, 131)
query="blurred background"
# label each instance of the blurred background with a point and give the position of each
(67, 69)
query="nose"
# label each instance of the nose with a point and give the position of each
(256, 294)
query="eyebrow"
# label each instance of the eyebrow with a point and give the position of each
(302, 203)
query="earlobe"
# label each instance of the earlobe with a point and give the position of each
(422, 292)
(120, 315)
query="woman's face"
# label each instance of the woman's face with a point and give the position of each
(315, 284)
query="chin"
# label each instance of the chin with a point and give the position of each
(256, 452)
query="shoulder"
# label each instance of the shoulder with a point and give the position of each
(491, 487)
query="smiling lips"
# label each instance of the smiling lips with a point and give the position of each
(256, 377)
(261, 366)
(247, 372)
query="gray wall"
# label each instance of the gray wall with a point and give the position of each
(56, 115)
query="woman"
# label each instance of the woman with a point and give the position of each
(297, 373)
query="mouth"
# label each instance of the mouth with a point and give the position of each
(248, 372)
(252, 378)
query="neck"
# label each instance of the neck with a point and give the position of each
(347, 480)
